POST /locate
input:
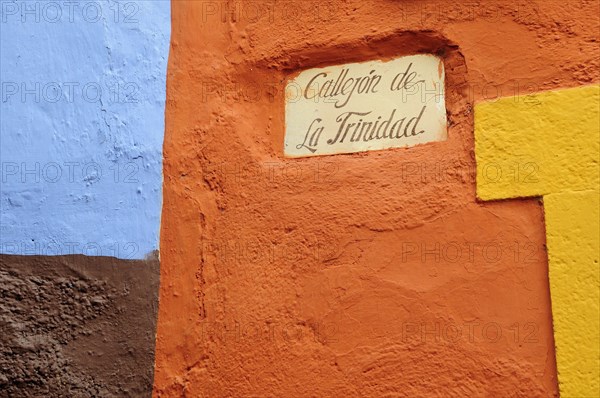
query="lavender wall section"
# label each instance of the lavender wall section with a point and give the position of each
(82, 124)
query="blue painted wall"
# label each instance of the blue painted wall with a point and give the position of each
(82, 125)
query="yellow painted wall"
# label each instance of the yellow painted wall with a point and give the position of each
(538, 144)
(547, 144)
(572, 237)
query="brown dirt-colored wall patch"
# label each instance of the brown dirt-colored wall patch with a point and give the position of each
(77, 326)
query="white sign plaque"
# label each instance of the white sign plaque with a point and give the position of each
(365, 106)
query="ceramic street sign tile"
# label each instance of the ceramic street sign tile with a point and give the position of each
(365, 106)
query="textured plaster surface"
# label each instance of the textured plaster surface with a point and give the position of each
(77, 326)
(82, 121)
(572, 224)
(556, 138)
(547, 144)
(336, 276)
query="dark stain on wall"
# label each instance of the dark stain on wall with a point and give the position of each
(77, 326)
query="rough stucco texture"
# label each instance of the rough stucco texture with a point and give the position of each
(83, 88)
(573, 244)
(550, 146)
(77, 326)
(545, 144)
(82, 119)
(342, 275)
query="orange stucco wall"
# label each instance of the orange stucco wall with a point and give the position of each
(369, 274)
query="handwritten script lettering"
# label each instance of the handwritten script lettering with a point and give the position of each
(366, 106)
